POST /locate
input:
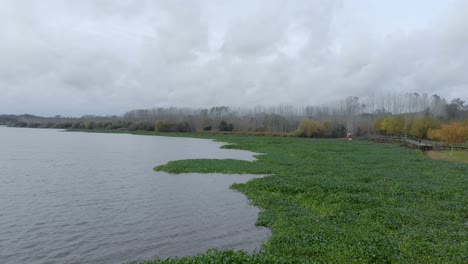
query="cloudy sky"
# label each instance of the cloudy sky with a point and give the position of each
(106, 56)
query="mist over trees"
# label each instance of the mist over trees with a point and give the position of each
(392, 114)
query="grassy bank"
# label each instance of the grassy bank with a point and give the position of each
(457, 155)
(345, 201)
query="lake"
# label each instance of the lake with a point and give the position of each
(94, 198)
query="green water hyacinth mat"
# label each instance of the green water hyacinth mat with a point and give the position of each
(339, 201)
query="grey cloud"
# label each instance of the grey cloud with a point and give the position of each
(106, 57)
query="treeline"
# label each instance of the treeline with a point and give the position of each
(397, 114)
(407, 125)
(102, 123)
(428, 127)
(452, 133)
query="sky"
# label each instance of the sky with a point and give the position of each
(107, 57)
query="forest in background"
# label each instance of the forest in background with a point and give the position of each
(409, 114)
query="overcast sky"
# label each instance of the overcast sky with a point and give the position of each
(110, 56)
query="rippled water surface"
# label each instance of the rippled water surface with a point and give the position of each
(94, 198)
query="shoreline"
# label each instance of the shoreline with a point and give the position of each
(336, 200)
(330, 183)
(340, 201)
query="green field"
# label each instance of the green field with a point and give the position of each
(339, 201)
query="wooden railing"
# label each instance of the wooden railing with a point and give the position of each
(422, 144)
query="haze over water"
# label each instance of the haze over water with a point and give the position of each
(94, 198)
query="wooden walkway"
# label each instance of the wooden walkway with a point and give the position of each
(421, 144)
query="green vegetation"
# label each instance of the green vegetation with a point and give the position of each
(456, 156)
(167, 126)
(421, 126)
(345, 202)
(392, 125)
(398, 125)
(316, 129)
(311, 128)
(224, 126)
(229, 256)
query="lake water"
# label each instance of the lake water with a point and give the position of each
(94, 198)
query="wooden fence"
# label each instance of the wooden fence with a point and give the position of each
(422, 144)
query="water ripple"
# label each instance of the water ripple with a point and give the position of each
(94, 198)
